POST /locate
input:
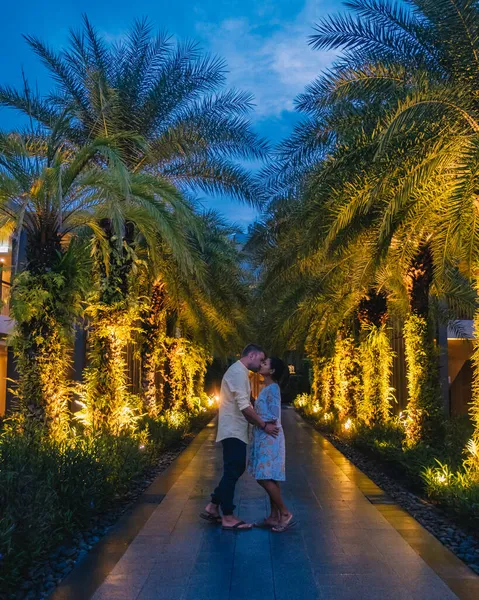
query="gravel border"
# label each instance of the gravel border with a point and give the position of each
(46, 575)
(462, 543)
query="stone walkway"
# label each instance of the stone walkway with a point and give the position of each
(351, 541)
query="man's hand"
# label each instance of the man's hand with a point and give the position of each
(272, 429)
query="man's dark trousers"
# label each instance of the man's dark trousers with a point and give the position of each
(234, 465)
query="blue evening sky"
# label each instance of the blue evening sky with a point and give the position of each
(263, 41)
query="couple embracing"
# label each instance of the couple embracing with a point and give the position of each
(267, 453)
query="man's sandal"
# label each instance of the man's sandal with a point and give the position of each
(210, 517)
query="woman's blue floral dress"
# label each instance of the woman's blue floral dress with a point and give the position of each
(267, 454)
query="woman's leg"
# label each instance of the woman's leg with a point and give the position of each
(275, 514)
(274, 492)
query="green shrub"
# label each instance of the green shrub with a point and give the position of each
(458, 491)
(49, 490)
(439, 470)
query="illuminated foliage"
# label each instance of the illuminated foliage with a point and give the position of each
(186, 372)
(154, 351)
(44, 307)
(112, 312)
(474, 408)
(347, 378)
(424, 396)
(376, 358)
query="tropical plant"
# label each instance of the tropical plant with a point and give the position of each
(184, 128)
(203, 302)
(47, 191)
(160, 91)
(51, 191)
(396, 120)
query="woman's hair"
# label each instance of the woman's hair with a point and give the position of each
(281, 371)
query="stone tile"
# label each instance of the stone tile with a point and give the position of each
(108, 593)
(119, 588)
(206, 592)
(343, 548)
(167, 592)
(465, 589)
(434, 590)
(349, 592)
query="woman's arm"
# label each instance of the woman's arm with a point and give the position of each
(273, 400)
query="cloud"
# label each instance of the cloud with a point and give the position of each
(269, 56)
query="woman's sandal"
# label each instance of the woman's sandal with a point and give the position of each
(263, 524)
(282, 528)
(210, 517)
(237, 527)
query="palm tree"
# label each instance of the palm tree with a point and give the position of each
(51, 191)
(206, 303)
(419, 66)
(47, 191)
(165, 93)
(184, 126)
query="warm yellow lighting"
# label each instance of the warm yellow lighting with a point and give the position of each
(302, 400)
(142, 446)
(315, 408)
(327, 416)
(217, 398)
(348, 425)
(210, 402)
(441, 478)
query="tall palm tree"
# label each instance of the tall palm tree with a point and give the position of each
(194, 133)
(394, 123)
(170, 94)
(419, 66)
(49, 192)
(206, 303)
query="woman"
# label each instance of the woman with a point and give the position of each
(267, 454)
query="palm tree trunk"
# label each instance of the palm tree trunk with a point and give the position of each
(41, 339)
(474, 407)
(154, 350)
(346, 377)
(424, 422)
(107, 401)
(376, 358)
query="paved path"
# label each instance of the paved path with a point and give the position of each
(345, 547)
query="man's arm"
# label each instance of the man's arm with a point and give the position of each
(241, 391)
(252, 417)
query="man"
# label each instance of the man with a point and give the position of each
(235, 412)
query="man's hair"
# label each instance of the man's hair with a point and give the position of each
(252, 348)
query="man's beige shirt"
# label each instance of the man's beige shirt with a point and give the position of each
(235, 396)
